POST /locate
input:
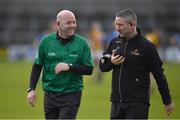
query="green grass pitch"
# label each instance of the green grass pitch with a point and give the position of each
(95, 104)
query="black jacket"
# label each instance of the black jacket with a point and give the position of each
(131, 79)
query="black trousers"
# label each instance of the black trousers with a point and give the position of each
(129, 111)
(61, 105)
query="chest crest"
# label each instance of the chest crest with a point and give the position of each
(51, 54)
(135, 52)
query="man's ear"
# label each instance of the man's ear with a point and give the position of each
(131, 24)
(58, 23)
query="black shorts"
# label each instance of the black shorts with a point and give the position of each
(129, 110)
(61, 105)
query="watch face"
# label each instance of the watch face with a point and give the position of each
(29, 89)
(70, 65)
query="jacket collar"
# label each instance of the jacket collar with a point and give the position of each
(133, 38)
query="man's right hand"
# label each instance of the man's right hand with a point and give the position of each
(31, 98)
(117, 59)
(61, 67)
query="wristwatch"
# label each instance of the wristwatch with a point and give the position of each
(70, 66)
(29, 89)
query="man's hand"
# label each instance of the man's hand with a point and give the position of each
(31, 98)
(117, 59)
(169, 108)
(61, 67)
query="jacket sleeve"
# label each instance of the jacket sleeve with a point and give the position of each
(105, 63)
(155, 66)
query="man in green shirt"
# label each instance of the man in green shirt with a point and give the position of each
(64, 57)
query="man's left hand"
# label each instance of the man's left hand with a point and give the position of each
(169, 108)
(61, 67)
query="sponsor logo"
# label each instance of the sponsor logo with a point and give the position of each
(51, 54)
(135, 52)
(73, 55)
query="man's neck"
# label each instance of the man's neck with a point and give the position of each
(61, 35)
(134, 33)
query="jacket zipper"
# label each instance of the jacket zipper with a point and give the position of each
(120, 72)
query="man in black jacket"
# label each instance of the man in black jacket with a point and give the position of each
(132, 58)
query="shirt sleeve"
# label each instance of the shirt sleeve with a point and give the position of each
(86, 56)
(81, 69)
(40, 55)
(35, 74)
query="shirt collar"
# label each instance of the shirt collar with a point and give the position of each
(62, 40)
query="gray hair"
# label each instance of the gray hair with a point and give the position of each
(128, 14)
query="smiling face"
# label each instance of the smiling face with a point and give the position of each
(66, 24)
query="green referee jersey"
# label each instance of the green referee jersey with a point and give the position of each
(51, 52)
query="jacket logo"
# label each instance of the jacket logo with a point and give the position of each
(51, 54)
(118, 41)
(135, 52)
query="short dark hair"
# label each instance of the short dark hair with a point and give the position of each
(128, 14)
